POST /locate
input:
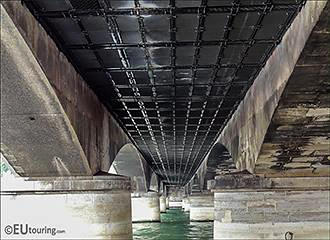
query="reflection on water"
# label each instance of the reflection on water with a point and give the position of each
(174, 225)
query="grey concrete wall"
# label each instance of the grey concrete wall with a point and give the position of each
(270, 214)
(297, 140)
(99, 134)
(37, 137)
(245, 131)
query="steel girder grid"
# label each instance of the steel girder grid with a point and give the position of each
(170, 98)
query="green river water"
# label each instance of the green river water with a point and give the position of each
(174, 225)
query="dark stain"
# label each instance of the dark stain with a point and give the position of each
(285, 156)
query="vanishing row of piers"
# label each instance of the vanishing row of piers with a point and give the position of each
(105, 206)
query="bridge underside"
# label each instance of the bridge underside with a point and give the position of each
(172, 72)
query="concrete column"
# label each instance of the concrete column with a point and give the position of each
(145, 207)
(167, 202)
(67, 208)
(201, 207)
(175, 202)
(186, 204)
(162, 204)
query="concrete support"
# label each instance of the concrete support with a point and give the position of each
(298, 206)
(52, 123)
(67, 208)
(162, 204)
(245, 131)
(186, 204)
(167, 202)
(271, 214)
(145, 207)
(201, 207)
(175, 201)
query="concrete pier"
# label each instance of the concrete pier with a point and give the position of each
(272, 208)
(201, 207)
(167, 202)
(175, 204)
(66, 208)
(186, 204)
(270, 214)
(145, 207)
(175, 201)
(162, 204)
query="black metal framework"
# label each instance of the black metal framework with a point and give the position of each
(172, 71)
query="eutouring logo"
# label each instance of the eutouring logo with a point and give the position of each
(24, 229)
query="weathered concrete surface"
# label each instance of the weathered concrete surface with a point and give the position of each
(302, 230)
(297, 142)
(268, 214)
(245, 131)
(99, 134)
(162, 204)
(167, 202)
(244, 182)
(37, 138)
(84, 208)
(145, 207)
(236, 181)
(201, 207)
(218, 162)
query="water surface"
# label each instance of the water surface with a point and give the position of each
(174, 225)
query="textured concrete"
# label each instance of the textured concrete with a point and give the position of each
(145, 207)
(266, 214)
(245, 131)
(37, 138)
(162, 204)
(201, 207)
(297, 140)
(99, 134)
(78, 208)
(237, 181)
(271, 231)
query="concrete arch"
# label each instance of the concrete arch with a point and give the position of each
(129, 162)
(219, 161)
